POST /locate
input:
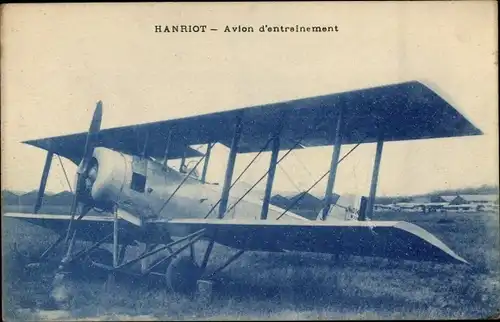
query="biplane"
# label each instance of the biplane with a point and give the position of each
(123, 173)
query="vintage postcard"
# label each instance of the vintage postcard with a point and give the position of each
(284, 160)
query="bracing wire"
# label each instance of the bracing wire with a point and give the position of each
(318, 181)
(289, 178)
(321, 178)
(265, 174)
(182, 182)
(241, 174)
(297, 143)
(303, 165)
(64, 171)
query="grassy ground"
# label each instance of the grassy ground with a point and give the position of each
(287, 286)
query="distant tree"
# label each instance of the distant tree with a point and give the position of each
(403, 199)
(481, 190)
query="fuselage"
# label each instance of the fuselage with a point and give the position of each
(149, 190)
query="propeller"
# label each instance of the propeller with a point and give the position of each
(85, 176)
(83, 172)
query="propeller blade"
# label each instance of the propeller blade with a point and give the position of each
(43, 182)
(74, 206)
(94, 129)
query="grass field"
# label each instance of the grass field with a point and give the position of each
(287, 286)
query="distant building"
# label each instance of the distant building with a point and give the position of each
(466, 202)
(472, 199)
(382, 207)
(480, 199)
(438, 199)
(423, 204)
(455, 200)
(421, 200)
(428, 199)
(448, 199)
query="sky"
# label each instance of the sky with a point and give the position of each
(58, 60)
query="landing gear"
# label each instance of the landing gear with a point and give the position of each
(99, 255)
(178, 267)
(183, 274)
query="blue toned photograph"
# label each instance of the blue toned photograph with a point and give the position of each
(250, 161)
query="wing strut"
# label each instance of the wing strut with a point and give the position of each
(373, 185)
(182, 167)
(230, 167)
(186, 177)
(115, 237)
(297, 144)
(167, 148)
(145, 147)
(270, 176)
(227, 185)
(240, 176)
(205, 164)
(317, 181)
(333, 165)
(43, 181)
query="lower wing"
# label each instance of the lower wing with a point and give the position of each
(95, 227)
(388, 239)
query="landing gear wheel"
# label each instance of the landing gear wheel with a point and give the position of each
(182, 275)
(86, 265)
(100, 255)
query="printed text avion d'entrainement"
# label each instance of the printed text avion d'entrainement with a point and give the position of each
(245, 29)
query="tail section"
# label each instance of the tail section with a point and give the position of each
(346, 207)
(343, 207)
(305, 205)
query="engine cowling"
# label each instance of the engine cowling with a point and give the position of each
(109, 173)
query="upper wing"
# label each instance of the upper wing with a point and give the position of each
(405, 111)
(388, 239)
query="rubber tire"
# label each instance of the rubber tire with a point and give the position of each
(100, 255)
(182, 275)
